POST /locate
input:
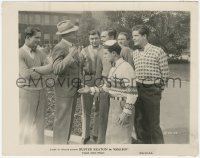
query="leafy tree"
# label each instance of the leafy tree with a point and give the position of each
(170, 30)
(87, 23)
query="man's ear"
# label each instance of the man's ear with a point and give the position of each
(145, 36)
(27, 37)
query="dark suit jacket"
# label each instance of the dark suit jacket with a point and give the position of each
(67, 69)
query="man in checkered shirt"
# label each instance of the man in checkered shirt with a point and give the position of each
(151, 69)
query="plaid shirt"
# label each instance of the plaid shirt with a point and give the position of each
(150, 65)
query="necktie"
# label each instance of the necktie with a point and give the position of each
(32, 54)
(140, 48)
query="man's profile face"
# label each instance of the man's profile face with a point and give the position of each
(138, 39)
(94, 40)
(109, 56)
(104, 36)
(73, 36)
(122, 40)
(35, 40)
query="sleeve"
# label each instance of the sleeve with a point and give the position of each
(43, 56)
(60, 61)
(163, 64)
(24, 70)
(44, 70)
(83, 53)
(98, 89)
(131, 89)
(84, 57)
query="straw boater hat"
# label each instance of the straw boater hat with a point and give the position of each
(65, 27)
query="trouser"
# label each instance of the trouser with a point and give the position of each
(147, 114)
(32, 107)
(104, 105)
(116, 133)
(87, 102)
(64, 115)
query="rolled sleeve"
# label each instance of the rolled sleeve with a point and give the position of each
(60, 61)
(131, 89)
(163, 64)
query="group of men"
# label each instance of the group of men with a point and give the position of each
(120, 111)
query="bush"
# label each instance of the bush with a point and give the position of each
(178, 61)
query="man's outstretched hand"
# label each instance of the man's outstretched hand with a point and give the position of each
(84, 90)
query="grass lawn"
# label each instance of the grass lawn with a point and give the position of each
(180, 71)
(176, 70)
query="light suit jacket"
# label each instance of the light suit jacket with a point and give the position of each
(67, 69)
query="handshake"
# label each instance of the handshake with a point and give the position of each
(85, 89)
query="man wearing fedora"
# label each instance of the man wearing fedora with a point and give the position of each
(66, 65)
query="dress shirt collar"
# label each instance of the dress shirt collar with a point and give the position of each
(97, 49)
(145, 48)
(26, 48)
(67, 42)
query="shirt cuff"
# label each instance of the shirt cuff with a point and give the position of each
(94, 90)
(127, 111)
(131, 98)
(34, 70)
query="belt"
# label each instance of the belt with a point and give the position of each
(148, 82)
(118, 98)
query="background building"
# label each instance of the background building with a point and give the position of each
(47, 22)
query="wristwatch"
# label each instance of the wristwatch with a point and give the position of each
(33, 69)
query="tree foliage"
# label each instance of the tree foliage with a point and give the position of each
(169, 30)
(87, 23)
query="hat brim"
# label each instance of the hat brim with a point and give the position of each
(73, 29)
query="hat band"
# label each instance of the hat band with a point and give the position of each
(62, 29)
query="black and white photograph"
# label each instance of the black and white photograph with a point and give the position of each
(104, 77)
